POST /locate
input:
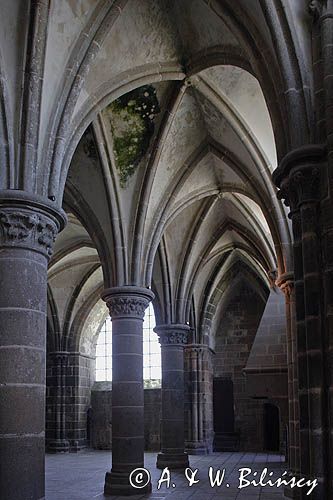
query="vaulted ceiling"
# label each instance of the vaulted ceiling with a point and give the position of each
(171, 178)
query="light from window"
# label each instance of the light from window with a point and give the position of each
(151, 352)
(104, 352)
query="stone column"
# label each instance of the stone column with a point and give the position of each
(28, 227)
(322, 43)
(200, 399)
(194, 444)
(173, 339)
(323, 65)
(127, 307)
(286, 283)
(299, 177)
(56, 402)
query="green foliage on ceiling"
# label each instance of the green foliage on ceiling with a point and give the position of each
(153, 383)
(132, 124)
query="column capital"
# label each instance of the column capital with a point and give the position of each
(298, 175)
(127, 301)
(29, 221)
(315, 8)
(286, 283)
(320, 10)
(59, 355)
(173, 334)
(200, 348)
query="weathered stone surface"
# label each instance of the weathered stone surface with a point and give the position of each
(127, 306)
(173, 339)
(24, 253)
(193, 103)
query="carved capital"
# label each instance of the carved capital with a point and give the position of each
(127, 301)
(198, 348)
(320, 10)
(286, 283)
(127, 306)
(59, 357)
(302, 186)
(272, 274)
(173, 334)
(298, 176)
(28, 223)
(315, 8)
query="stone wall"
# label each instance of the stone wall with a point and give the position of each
(238, 323)
(266, 370)
(68, 399)
(101, 417)
(78, 399)
(100, 421)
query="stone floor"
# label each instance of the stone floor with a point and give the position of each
(81, 477)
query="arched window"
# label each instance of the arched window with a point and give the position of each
(151, 352)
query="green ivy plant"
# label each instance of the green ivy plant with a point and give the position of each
(152, 383)
(132, 124)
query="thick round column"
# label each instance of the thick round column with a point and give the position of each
(325, 122)
(300, 177)
(127, 307)
(173, 339)
(28, 228)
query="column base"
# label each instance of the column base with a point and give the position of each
(61, 446)
(172, 461)
(294, 493)
(117, 483)
(196, 448)
(77, 446)
(291, 493)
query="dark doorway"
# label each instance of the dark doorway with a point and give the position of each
(271, 427)
(223, 394)
(223, 413)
